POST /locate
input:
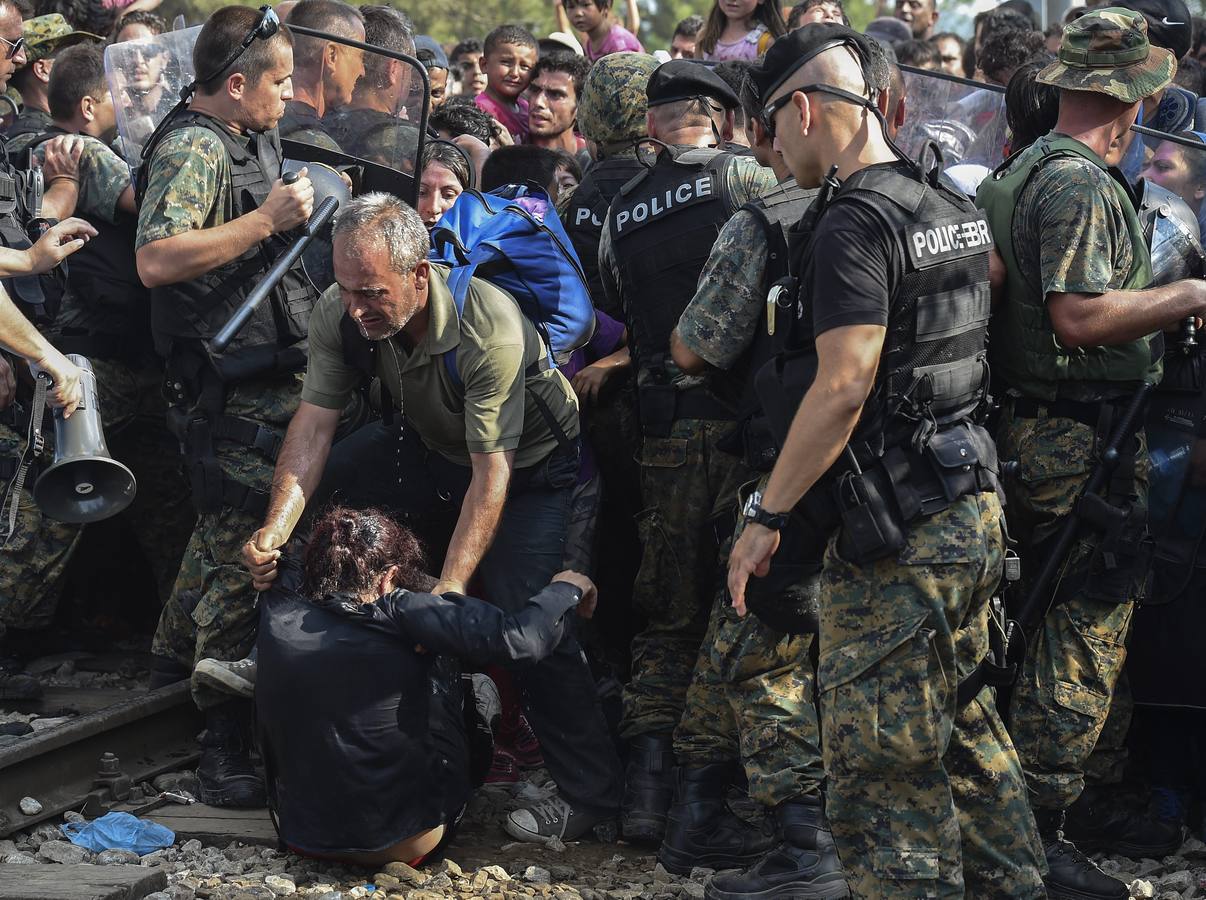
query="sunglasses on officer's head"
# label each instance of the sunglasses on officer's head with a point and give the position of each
(768, 113)
(267, 25)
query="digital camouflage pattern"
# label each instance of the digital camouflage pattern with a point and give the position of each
(34, 561)
(183, 180)
(47, 34)
(924, 800)
(104, 177)
(212, 611)
(1062, 699)
(1107, 52)
(1069, 234)
(690, 492)
(753, 697)
(720, 322)
(613, 103)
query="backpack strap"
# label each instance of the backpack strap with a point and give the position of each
(459, 293)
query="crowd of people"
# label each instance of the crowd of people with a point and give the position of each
(873, 472)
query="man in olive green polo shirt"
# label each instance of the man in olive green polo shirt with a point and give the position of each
(486, 425)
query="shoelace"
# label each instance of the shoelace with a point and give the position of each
(552, 810)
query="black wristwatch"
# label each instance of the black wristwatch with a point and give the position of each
(754, 512)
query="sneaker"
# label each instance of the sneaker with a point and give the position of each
(503, 768)
(525, 748)
(235, 677)
(551, 818)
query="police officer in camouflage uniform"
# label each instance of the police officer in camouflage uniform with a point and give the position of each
(105, 313)
(33, 559)
(611, 112)
(325, 72)
(659, 231)
(752, 695)
(212, 214)
(1081, 335)
(44, 37)
(873, 402)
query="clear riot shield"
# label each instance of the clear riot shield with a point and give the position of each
(146, 78)
(369, 139)
(373, 132)
(373, 127)
(370, 133)
(966, 122)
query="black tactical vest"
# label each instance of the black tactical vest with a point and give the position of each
(106, 312)
(663, 225)
(776, 212)
(933, 370)
(584, 217)
(194, 311)
(31, 122)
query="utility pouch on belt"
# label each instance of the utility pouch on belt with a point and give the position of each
(871, 525)
(657, 405)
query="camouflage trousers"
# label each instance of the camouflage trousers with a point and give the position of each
(213, 609)
(924, 799)
(36, 559)
(753, 697)
(689, 489)
(1063, 697)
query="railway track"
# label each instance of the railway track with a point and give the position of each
(62, 768)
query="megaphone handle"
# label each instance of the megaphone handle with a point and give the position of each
(34, 445)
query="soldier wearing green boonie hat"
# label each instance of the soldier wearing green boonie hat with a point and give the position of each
(1108, 52)
(1076, 335)
(42, 37)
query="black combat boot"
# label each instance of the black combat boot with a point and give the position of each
(165, 671)
(805, 865)
(1072, 875)
(226, 774)
(1105, 820)
(701, 830)
(648, 788)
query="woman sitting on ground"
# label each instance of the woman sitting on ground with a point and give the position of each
(359, 692)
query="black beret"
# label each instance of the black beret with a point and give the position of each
(791, 51)
(685, 79)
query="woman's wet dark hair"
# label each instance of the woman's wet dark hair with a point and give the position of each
(1031, 108)
(350, 549)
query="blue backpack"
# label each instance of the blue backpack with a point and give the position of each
(513, 238)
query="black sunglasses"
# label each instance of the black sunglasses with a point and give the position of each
(268, 25)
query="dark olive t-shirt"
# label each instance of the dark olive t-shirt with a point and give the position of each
(496, 349)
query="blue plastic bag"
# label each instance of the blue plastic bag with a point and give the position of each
(119, 831)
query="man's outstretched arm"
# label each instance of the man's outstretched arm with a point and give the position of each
(299, 468)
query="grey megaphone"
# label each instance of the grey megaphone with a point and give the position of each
(84, 484)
